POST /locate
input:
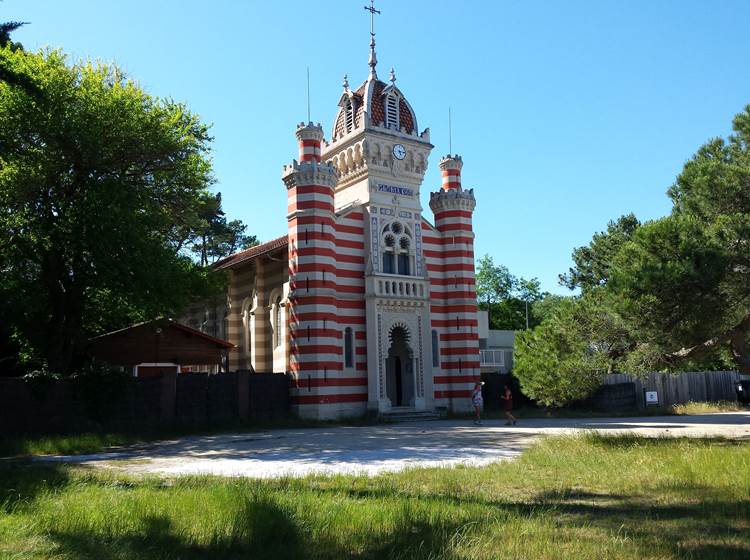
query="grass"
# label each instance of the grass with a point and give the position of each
(572, 412)
(707, 407)
(583, 497)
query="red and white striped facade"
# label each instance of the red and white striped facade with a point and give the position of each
(365, 304)
(450, 262)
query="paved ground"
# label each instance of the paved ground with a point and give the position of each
(382, 448)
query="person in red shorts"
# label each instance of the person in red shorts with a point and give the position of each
(508, 398)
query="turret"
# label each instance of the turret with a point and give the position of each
(452, 205)
(314, 338)
(450, 169)
(455, 314)
(310, 138)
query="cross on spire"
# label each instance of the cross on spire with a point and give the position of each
(373, 57)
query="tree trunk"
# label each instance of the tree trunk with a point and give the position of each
(65, 315)
(736, 337)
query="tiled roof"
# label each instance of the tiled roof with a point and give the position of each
(377, 111)
(252, 252)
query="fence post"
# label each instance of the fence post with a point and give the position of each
(243, 394)
(168, 398)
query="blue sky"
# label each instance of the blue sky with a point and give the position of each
(567, 114)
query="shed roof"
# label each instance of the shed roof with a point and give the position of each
(157, 341)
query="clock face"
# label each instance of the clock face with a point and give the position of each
(399, 152)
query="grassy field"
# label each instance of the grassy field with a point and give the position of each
(566, 498)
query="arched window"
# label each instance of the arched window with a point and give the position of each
(348, 347)
(391, 112)
(397, 252)
(277, 323)
(246, 326)
(435, 349)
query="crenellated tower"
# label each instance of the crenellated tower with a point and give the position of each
(455, 314)
(314, 338)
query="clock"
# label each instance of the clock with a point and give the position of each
(399, 152)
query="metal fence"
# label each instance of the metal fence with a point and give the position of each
(492, 358)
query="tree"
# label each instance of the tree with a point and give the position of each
(684, 281)
(544, 308)
(506, 297)
(670, 294)
(97, 179)
(213, 237)
(494, 284)
(6, 29)
(7, 74)
(566, 357)
(593, 263)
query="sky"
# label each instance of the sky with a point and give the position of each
(567, 114)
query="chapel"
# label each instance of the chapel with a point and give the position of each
(366, 302)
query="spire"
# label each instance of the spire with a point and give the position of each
(373, 61)
(393, 76)
(345, 85)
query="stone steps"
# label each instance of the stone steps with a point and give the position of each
(408, 415)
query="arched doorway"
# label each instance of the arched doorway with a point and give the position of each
(399, 384)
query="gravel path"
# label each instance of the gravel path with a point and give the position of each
(382, 448)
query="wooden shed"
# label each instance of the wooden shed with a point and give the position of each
(160, 346)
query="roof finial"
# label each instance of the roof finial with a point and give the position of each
(393, 76)
(450, 132)
(308, 94)
(373, 62)
(346, 83)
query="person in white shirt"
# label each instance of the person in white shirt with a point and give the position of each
(477, 401)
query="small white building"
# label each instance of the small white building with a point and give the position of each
(495, 347)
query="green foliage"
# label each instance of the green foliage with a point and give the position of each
(683, 281)
(6, 28)
(97, 180)
(566, 357)
(213, 237)
(506, 296)
(672, 294)
(543, 309)
(593, 263)
(42, 375)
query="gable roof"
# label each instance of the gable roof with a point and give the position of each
(252, 252)
(159, 340)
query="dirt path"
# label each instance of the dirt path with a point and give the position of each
(383, 448)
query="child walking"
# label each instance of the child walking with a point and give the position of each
(478, 402)
(508, 398)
